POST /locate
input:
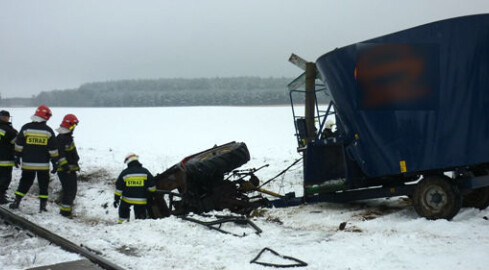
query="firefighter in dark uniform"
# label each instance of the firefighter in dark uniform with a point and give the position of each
(35, 146)
(67, 163)
(134, 186)
(7, 141)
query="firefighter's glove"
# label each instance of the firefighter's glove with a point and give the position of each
(16, 161)
(116, 202)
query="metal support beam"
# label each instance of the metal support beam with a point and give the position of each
(310, 101)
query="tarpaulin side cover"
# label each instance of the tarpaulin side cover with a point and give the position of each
(421, 99)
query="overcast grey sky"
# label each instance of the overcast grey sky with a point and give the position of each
(59, 44)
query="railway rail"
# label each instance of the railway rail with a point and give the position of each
(11, 218)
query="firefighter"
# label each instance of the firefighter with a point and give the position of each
(134, 186)
(7, 141)
(328, 130)
(35, 146)
(67, 163)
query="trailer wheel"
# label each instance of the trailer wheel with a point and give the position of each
(436, 197)
(478, 198)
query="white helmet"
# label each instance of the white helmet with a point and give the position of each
(329, 124)
(130, 157)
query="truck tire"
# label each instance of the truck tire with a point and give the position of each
(436, 197)
(478, 198)
(211, 165)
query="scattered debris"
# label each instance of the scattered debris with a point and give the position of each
(274, 220)
(342, 226)
(242, 220)
(354, 229)
(298, 263)
(258, 212)
(370, 212)
(129, 251)
(94, 175)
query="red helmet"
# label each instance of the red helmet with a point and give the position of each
(44, 112)
(69, 121)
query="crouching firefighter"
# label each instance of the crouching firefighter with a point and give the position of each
(67, 163)
(36, 146)
(134, 186)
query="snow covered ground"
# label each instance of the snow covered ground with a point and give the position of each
(379, 234)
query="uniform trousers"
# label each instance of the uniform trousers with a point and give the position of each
(125, 210)
(5, 178)
(27, 179)
(68, 182)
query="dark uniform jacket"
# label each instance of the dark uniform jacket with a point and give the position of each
(134, 184)
(36, 145)
(68, 156)
(7, 141)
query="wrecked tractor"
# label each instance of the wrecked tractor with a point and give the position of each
(208, 181)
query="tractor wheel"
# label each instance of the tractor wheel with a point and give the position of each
(436, 197)
(215, 162)
(478, 198)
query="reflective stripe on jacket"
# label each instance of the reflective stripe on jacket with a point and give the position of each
(68, 155)
(7, 141)
(36, 144)
(135, 184)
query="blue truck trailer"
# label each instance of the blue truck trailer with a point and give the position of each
(411, 117)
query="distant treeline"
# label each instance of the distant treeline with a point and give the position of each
(167, 92)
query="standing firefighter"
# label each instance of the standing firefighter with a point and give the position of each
(7, 141)
(67, 163)
(35, 146)
(136, 186)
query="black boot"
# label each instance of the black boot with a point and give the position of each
(42, 206)
(66, 213)
(3, 198)
(16, 202)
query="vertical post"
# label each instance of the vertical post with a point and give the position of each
(310, 101)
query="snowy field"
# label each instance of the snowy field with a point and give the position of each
(379, 234)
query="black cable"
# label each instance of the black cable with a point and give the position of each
(282, 172)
